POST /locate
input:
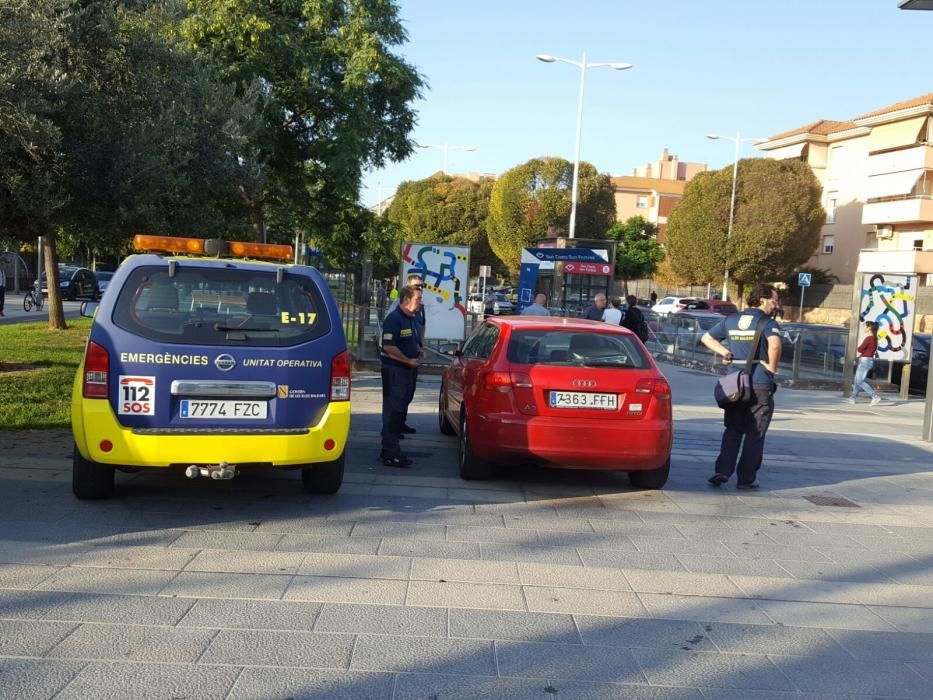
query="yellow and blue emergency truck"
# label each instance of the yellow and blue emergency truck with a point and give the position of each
(210, 356)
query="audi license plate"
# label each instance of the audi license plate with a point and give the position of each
(582, 399)
(220, 410)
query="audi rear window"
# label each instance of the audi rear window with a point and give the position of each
(221, 306)
(576, 348)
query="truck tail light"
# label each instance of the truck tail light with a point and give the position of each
(96, 371)
(340, 377)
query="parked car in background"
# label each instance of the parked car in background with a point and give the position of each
(74, 283)
(501, 305)
(103, 279)
(819, 345)
(669, 305)
(726, 308)
(557, 392)
(685, 328)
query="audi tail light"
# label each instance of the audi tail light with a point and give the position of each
(96, 371)
(659, 388)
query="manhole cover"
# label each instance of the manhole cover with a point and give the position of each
(837, 501)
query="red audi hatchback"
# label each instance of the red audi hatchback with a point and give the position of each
(558, 392)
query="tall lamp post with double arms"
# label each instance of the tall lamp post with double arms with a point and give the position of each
(584, 67)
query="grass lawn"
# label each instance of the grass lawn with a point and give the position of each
(37, 368)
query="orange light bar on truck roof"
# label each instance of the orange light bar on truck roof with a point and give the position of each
(167, 244)
(200, 246)
(269, 251)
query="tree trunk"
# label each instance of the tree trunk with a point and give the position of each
(50, 256)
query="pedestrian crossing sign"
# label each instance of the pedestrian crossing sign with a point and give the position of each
(803, 279)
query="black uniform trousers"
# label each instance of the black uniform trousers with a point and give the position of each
(745, 428)
(397, 390)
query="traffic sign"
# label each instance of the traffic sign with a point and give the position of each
(485, 270)
(803, 279)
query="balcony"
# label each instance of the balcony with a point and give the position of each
(917, 158)
(912, 209)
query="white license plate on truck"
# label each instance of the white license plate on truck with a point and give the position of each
(223, 410)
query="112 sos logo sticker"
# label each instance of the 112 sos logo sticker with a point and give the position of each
(137, 396)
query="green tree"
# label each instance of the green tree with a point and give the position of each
(334, 99)
(776, 224)
(638, 253)
(445, 209)
(106, 127)
(533, 199)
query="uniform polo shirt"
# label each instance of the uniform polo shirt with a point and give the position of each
(739, 329)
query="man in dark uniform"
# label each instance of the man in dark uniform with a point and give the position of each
(401, 350)
(749, 421)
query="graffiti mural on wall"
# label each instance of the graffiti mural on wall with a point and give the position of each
(446, 272)
(888, 300)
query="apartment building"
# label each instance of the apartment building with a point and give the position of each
(876, 171)
(653, 190)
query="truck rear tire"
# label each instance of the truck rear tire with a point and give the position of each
(323, 478)
(90, 480)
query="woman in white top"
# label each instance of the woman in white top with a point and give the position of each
(613, 314)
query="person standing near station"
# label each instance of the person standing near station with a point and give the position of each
(867, 350)
(538, 308)
(594, 312)
(401, 351)
(613, 313)
(654, 297)
(747, 423)
(634, 319)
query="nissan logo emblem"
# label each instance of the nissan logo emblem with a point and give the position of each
(224, 362)
(584, 383)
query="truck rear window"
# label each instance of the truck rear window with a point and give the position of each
(221, 306)
(585, 348)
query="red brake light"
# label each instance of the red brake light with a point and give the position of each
(96, 371)
(498, 381)
(340, 377)
(657, 387)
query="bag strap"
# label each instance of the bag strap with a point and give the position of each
(753, 355)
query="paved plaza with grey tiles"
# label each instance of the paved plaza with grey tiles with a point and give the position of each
(551, 585)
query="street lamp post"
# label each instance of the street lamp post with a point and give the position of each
(445, 147)
(735, 176)
(583, 66)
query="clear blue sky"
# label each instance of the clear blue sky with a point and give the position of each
(700, 66)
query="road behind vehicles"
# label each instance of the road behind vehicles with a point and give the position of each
(212, 360)
(558, 392)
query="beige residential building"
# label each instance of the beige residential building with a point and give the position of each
(653, 190)
(877, 176)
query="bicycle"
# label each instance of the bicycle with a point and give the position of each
(32, 299)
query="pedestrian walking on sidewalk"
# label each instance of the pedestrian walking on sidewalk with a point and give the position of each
(747, 423)
(867, 350)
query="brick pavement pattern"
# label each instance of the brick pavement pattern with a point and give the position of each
(412, 584)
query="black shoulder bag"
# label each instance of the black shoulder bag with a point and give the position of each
(735, 388)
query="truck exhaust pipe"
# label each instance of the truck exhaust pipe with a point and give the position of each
(218, 472)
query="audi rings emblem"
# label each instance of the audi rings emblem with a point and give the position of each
(584, 383)
(224, 362)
